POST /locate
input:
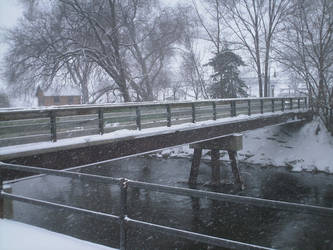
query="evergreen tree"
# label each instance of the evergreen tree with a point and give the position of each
(226, 81)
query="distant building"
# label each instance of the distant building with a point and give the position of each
(4, 100)
(51, 97)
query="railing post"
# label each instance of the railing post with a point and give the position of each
(123, 213)
(232, 108)
(291, 103)
(235, 111)
(261, 106)
(53, 123)
(101, 120)
(168, 108)
(273, 108)
(282, 105)
(249, 107)
(214, 111)
(138, 117)
(193, 112)
(299, 103)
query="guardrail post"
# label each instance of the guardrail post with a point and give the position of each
(123, 213)
(261, 106)
(273, 108)
(291, 103)
(138, 118)
(193, 112)
(168, 108)
(233, 108)
(282, 105)
(249, 107)
(299, 103)
(53, 123)
(101, 120)
(214, 111)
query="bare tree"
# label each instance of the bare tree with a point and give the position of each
(254, 24)
(37, 46)
(192, 69)
(131, 41)
(152, 38)
(212, 28)
(307, 49)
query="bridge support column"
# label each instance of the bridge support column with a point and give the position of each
(215, 158)
(235, 168)
(232, 144)
(195, 166)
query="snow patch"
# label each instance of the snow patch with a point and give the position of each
(19, 236)
(301, 149)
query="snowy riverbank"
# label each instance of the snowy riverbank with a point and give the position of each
(299, 148)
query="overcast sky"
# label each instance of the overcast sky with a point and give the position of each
(10, 11)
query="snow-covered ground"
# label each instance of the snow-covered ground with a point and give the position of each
(18, 236)
(299, 148)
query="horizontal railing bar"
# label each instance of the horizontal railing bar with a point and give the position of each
(91, 109)
(62, 173)
(60, 206)
(294, 207)
(211, 240)
(136, 223)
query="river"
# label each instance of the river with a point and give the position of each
(250, 224)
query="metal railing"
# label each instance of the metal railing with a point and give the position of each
(124, 221)
(31, 125)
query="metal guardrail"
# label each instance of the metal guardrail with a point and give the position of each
(125, 221)
(30, 125)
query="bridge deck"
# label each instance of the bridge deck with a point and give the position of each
(21, 126)
(88, 149)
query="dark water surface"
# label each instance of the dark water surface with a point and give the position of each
(250, 224)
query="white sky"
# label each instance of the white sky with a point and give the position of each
(10, 11)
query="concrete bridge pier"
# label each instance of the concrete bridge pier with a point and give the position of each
(231, 144)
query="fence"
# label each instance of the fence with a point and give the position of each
(18, 126)
(125, 222)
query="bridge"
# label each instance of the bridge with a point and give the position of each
(66, 136)
(35, 140)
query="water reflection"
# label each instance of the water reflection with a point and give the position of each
(262, 226)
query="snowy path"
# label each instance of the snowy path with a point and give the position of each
(18, 236)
